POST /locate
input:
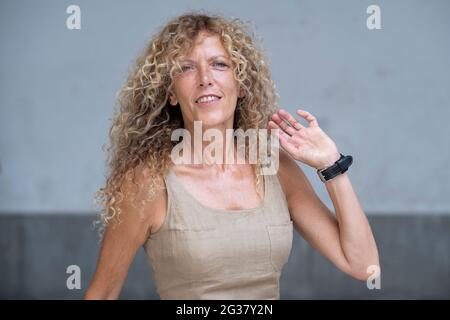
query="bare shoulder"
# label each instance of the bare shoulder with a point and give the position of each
(142, 209)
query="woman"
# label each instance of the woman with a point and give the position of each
(216, 230)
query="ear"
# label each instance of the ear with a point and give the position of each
(173, 100)
(241, 93)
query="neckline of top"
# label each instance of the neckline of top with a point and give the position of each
(261, 205)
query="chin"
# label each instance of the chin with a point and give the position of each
(212, 118)
(216, 120)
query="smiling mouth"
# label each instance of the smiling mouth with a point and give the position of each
(208, 99)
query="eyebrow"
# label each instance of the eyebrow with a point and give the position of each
(209, 59)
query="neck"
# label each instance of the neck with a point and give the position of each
(206, 147)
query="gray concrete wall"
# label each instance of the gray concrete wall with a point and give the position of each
(414, 255)
(382, 95)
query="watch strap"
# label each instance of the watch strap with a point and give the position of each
(339, 167)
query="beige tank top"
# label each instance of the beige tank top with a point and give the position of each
(207, 253)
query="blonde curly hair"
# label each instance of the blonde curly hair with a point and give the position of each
(140, 135)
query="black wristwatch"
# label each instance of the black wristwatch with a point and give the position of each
(339, 167)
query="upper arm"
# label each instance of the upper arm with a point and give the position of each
(311, 217)
(122, 240)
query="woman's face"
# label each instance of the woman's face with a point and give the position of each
(206, 88)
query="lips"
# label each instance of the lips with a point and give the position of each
(209, 99)
(208, 102)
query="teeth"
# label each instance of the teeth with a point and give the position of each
(207, 98)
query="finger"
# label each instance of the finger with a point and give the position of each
(293, 122)
(280, 132)
(285, 140)
(309, 117)
(283, 125)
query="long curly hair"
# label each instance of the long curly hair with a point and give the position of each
(140, 134)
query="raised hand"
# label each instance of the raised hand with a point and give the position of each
(310, 144)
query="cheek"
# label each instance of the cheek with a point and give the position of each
(182, 88)
(229, 84)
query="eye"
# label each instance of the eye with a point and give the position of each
(186, 68)
(220, 64)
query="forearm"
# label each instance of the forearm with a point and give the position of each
(102, 288)
(355, 234)
(98, 295)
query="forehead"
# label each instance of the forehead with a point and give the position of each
(206, 44)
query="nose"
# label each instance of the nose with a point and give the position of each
(205, 77)
(206, 83)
